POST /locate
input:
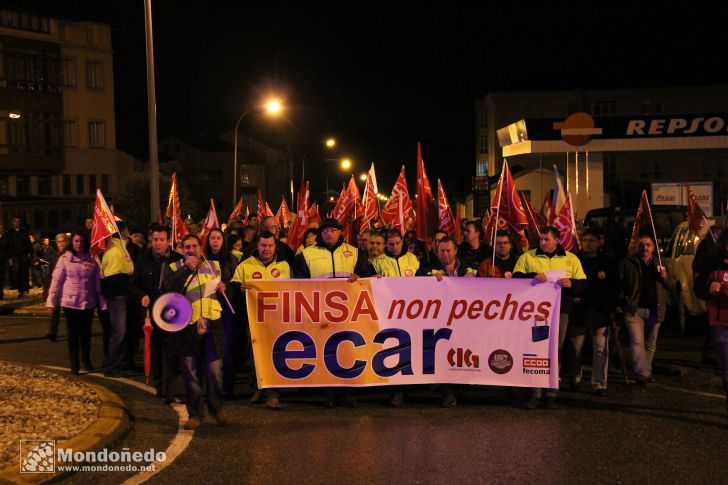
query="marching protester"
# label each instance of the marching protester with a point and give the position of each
(6, 251)
(146, 286)
(76, 287)
(396, 262)
(60, 249)
(641, 302)
(331, 257)
(535, 263)
(116, 271)
(375, 244)
(264, 264)
(20, 257)
(473, 251)
(449, 265)
(505, 258)
(593, 313)
(201, 344)
(217, 250)
(712, 285)
(270, 224)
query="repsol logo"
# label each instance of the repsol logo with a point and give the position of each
(463, 357)
(701, 125)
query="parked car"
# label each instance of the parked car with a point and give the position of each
(616, 224)
(678, 260)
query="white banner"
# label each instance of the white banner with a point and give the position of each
(398, 331)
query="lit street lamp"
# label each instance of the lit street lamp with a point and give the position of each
(329, 143)
(272, 107)
(345, 165)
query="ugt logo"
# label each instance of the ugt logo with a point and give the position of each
(456, 358)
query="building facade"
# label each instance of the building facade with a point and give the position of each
(619, 171)
(206, 167)
(58, 76)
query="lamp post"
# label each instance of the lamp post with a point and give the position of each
(329, 143)
(273, 107)
(345, 164)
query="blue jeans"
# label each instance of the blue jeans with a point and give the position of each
(643, 328)
(205, 365)
(117, 316)
(720, 342)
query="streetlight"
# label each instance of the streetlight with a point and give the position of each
(272, 107)
(344, 163)
(329, 143)
(363, 177)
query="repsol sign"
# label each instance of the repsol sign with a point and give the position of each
(699, 125)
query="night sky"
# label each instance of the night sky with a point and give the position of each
(381, 76)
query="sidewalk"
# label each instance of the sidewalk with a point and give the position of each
(52, 411)
(32, 304)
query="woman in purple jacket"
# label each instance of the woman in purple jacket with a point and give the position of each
(76, 287)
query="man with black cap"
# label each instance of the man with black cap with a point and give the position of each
(331, 257)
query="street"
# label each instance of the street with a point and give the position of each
(674, 431)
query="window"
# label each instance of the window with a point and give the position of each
(3, 186)
(481, 169)
(79, 184)
(70, 133)
(38, 219)
(483, 145)
(92, 184)
(22, 185)
(604, 107)
(482, 119)
(90, 36)
(96, 134)
(94, 75)
(66, 185)
(105, 183)
(69, 73)
(52, 219)
(44, 185)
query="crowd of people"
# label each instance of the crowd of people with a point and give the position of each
(123, 283)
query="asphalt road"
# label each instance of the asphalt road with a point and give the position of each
(675, 431)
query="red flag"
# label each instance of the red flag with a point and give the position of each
(696, 216)
(104, 225)
(547, 209)
(261, 207)
(246, 219)
(535, 221)
(147, 346)
(344, 207)
(370, 212)
(313, 214)
(426, 208)
(209, 224)
(397, 212)
(236, 211)
(643, 211)
(300, 224)
(282, 214)
(565, 224)
(268, 211)
(509, 207)
(459, 212)
(179, 230)
(447, 220)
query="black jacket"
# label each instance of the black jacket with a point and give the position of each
(21, 242)
(602, 286)
(630, 274)
(473, 257)
(149, 273)
(7, 247)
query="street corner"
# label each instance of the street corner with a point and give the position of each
(49, 420)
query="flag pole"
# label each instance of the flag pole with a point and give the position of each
(497, 211)
(528, 207)
(218, 276)
(654, 231)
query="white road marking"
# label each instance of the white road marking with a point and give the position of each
(688, 391)
(176, 447)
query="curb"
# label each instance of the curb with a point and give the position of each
(112, 423)
(8, 307)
